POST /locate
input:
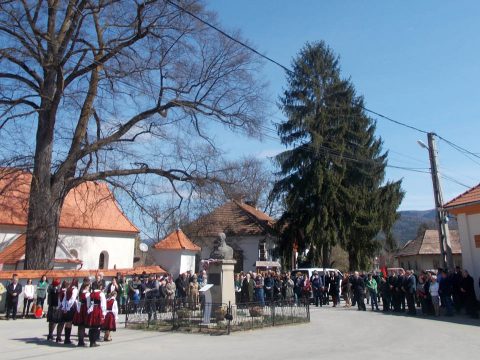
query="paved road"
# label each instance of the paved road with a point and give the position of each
(333, 334)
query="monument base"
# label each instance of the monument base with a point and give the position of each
(220, 274)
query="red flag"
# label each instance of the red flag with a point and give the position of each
(384, 271)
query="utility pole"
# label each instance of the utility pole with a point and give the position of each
(442, 219)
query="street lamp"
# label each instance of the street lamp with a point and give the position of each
(442, 218)
(422, 144)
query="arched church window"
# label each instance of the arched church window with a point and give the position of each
(103, 260)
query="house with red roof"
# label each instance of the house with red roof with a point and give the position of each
(466, 207)
(176, 253)
(423, 253)
(94, 233)
(250, 232)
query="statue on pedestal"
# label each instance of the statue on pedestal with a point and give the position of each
(221, 250)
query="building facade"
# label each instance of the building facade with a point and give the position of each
(466, 207)
(249, 231)
(424, 253)
(175, 253)
(93, 232)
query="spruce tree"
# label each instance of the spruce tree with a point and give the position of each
(331, 175)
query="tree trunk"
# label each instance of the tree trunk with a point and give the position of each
(46, 193)
(45, 203)
(326, 252)
(42, 230)
(352, 261)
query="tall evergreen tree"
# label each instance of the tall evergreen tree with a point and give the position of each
(331, 176)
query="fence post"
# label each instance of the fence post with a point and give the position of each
(229, 312)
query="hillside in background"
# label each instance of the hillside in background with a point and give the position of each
(406, 226)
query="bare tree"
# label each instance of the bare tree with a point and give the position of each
(121, 91)
(246, 179)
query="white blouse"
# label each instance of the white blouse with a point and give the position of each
(29, 291)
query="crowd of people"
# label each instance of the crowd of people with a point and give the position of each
(95, 306)
(399, 291)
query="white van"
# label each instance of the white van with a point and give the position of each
(321, 271)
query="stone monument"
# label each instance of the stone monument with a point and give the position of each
(220, 272)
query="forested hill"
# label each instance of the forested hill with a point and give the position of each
(406, 227)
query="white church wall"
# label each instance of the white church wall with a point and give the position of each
(117, 247)
(169, 260)
(187, 261)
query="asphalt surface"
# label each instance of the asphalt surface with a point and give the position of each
(333, 333)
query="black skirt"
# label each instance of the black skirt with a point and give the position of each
(68, 316)
(54, 315)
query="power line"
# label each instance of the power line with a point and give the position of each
(468, 154)
(397, 122)
(455, 181)
(464, 151)
(228, 36)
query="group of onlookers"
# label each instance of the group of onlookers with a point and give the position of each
(30, 294)
(152, 293)
(399, 291)
(293, 288)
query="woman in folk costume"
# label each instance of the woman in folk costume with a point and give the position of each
(80, 317)
(69, 307)
(53, 314)
(110, 322)
(96, 314)
(61, 296)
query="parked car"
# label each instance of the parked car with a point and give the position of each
(309, 271)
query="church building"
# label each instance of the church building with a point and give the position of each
(94, 233)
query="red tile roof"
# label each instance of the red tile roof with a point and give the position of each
(89, 206)
(37, 274)
(176, 240)
(429, 244)
(467, 198)
(234, 219)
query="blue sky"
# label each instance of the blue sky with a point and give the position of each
(415, 61)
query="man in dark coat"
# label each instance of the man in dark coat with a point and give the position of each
(468, 291)
(385, 291)
(14, 289)
(334, 287)
(458, 298)
(268, 285)
(317, 287)
(182, 286)
(402, 292)
(410, 289)
(359, 290)
(445, 291)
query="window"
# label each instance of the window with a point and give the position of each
(103, 260)
(74, 253)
